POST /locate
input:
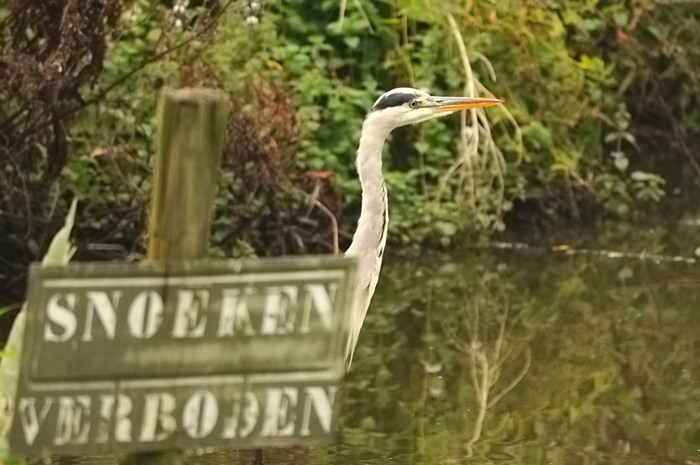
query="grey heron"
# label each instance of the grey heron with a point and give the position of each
(398, 107)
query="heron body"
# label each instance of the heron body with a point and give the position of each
(398, 107)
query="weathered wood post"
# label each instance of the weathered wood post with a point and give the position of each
(191, 136)
(191, 125)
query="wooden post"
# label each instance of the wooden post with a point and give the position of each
(191, 125)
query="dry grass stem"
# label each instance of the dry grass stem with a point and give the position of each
(478, 170)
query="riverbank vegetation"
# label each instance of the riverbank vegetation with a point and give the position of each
(601, 116)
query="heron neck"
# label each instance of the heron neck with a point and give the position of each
(371, 227)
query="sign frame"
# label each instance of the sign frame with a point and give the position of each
(312, 377)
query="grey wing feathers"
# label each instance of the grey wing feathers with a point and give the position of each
(364, 291)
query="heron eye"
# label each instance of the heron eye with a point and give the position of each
(413, 104)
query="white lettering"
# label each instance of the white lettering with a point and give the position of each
(250, 413)
(31, 421)
(158, 420)
(322, 401)
(276, 319)
(62, 316)
(188, 322)
(101, 303)
(234, 314)
(200, 414)
(73, 424)
(145, 314)
(122, 423)
(321, 299)
(230, 423)
(280, 416)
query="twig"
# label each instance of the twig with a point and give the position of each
(334, 224)
(482, 393)
(511, 119)
(329, 214)
(469, 146)
(341, 16)
(364, 13)
(514, 382)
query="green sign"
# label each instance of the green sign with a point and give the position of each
(143, 357)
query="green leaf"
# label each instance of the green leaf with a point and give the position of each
(621, 162)
(61, 249)
(612, 137)
(621, 17)
(446, 229)
(352, 42)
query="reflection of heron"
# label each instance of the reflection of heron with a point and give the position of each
(398, 107)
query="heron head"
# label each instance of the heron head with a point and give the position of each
(403, 106)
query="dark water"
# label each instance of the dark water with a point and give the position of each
(527, 356)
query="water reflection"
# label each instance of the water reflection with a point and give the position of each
(543, 359)
(519, 357)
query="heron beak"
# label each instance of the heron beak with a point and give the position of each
(444, 104)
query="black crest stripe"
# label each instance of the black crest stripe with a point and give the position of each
(394, 100)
